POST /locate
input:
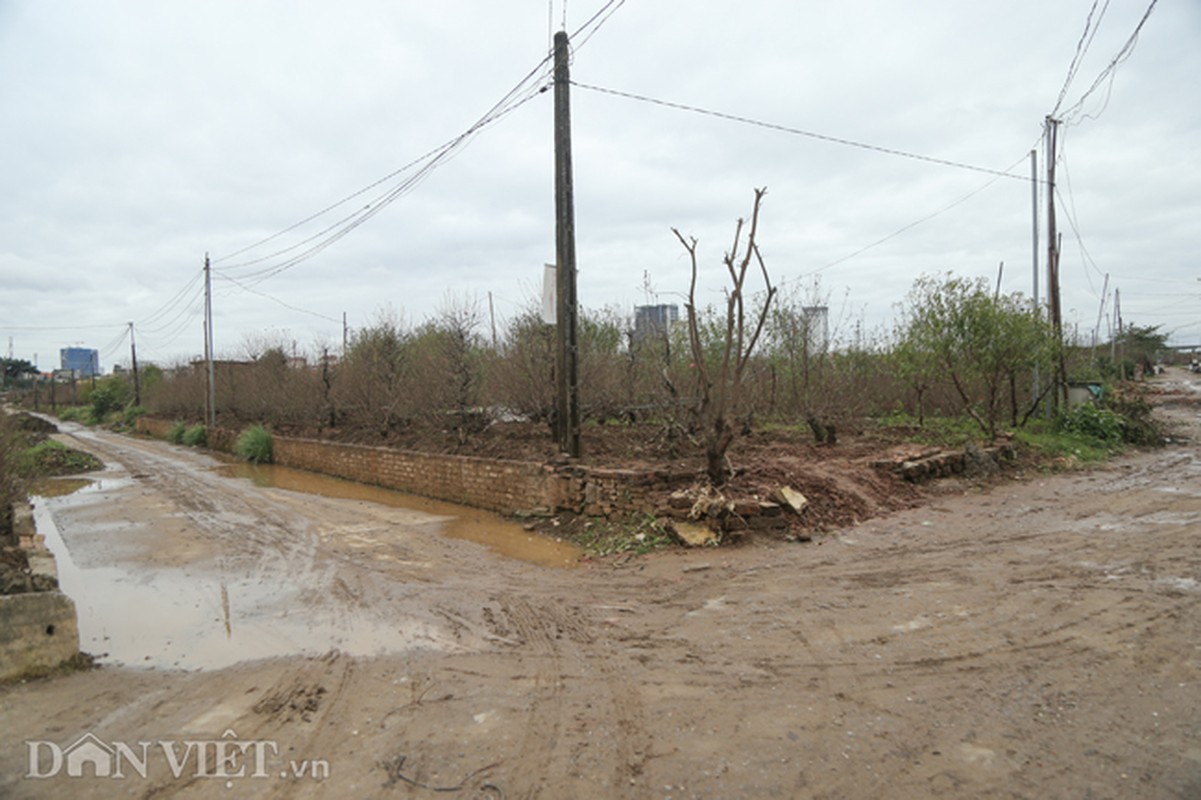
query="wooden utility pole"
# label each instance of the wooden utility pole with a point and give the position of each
(345, 335)
(567, 407)
(133, 360)
(211, 394)
(1053, 266)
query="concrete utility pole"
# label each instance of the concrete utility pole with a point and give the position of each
(1036, 383)
(1053, 264)
(133, 360)
(211, 394)
(567, 407)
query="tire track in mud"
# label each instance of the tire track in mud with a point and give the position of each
(294, 713)
(563, 647)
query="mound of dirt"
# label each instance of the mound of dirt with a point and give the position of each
(27, 422)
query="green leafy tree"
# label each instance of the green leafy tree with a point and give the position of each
(16, 371)
(1142, 344)
(956, 330)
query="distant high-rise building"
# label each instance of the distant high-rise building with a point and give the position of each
(816, 322)
(83, 361)
(654, 320)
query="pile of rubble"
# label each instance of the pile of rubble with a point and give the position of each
(701, 514)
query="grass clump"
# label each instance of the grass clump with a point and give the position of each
(638, 534)
(176, 433)
(131, 415)
(195, 436)
(933, 430)
(80, 414)
(49, 457)
(254, 445)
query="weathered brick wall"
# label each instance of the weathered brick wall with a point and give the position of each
(494, 484)
(505, 486)
(151, 426)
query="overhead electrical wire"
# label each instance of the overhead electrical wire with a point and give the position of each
(167, 315)
(798, 132)
(534, 83)
(1086, 40)
(1074, 114)
(274, 299)
(115, 343)
(599, 18)
(911, 225)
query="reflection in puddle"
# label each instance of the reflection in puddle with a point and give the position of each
(449, 519)
(176, 618)
(57, 487)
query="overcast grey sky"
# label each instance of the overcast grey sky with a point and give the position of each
(137, 136)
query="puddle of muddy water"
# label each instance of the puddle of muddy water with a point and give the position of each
(179, 619)
(57, 487)
(447, 519)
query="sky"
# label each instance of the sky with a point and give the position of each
(138, 136)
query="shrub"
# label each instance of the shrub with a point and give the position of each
(132, 413)
(1096, 423)
(175, 435)
(110, 395)
(254, 445)
(1138, 427)
(80, 414)
(50, 457)
(195, 436)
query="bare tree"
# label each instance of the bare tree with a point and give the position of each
(719, 384)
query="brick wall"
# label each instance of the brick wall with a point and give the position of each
(494, 484)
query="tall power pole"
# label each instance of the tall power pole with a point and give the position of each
(1053, 264)
(133, 361)
(567, 417)
(1035, 380)
(211, 394)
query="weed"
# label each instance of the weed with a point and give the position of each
(176, 433)
(50, 457)
(637, 534)
(195, 436)
(132, 413)
(1087, 420)
(254, 445)
(941, 431)
(1052, 441)
(80, 414)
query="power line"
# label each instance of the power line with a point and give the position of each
(1086, 39)
(911, 225)
(611, 7)
(799, 132)
(276, 299)
(1073, 114)
(530, 86)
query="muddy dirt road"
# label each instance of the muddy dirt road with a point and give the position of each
(1038, 640)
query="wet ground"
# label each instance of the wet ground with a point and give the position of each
(1041, 639)
(136, 607)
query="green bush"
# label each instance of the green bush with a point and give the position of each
(1095, 423)
(195, 436)
(80, 414)
(50, 457)
(132, 413)
(109, 395)
(175, 434)
(254, 445)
